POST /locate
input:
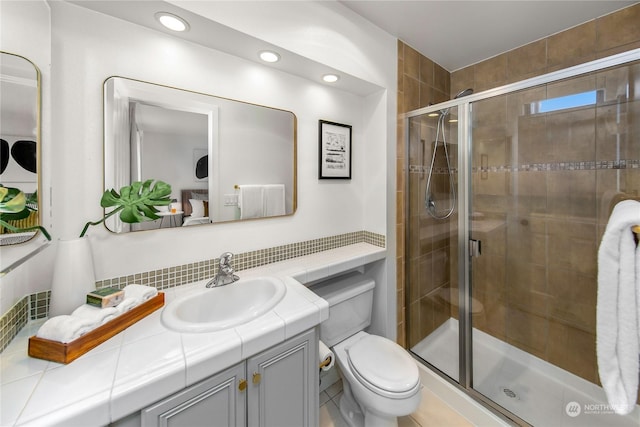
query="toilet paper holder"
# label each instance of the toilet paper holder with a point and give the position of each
(325, 362)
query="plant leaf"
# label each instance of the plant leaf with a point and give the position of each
(12, 200)
(13, 206)
(137, 201)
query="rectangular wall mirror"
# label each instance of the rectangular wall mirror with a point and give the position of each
(20, 139)
(225, 160)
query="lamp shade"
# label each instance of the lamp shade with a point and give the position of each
(73, 276)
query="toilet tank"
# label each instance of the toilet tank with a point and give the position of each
(350, 299)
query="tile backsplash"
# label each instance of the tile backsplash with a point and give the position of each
(187, 273)
(36, 306)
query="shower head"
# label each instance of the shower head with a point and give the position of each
(460, 94)
(465, 92)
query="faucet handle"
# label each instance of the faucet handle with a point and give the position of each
(225, 258)
(225, 263)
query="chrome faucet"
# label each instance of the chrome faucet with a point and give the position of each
(225, 275)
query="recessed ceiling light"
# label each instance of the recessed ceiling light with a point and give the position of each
(330, 78)
(172, 22)
(269, 56)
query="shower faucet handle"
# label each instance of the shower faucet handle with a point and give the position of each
(475, 248)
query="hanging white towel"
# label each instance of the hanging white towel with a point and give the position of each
(274, 200)
(251, 201)
(618, 325)
(65, 328)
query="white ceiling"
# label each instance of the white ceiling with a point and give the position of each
(453, 33)
(456, 34)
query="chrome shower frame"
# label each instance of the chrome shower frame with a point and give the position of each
(465, 105)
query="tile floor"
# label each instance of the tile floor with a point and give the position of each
(433, 412)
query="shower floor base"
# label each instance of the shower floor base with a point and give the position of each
(536, 391)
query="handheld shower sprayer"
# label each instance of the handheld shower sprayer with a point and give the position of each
(429, 200)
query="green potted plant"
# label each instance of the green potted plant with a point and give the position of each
(15, 205)
(73, 272)
(136, 202)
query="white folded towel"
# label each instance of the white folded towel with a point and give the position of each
(618, 310)
(99, 316)
(141, 292)
(65, 328)
(251, 201)
(274, 200)
(127, 304)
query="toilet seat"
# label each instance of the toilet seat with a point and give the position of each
(383, 367)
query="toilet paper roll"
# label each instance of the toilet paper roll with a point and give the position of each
(327, 359)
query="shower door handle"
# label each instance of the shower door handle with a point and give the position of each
(475, 248)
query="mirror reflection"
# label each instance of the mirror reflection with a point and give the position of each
(19, 138)
(225, 160)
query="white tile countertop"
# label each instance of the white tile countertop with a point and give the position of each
(147, 361)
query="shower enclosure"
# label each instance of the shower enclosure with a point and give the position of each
(501, 294)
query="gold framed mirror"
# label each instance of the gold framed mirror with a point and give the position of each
(226, 160)
(20, 144)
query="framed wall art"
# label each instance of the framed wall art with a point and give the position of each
(334, 150)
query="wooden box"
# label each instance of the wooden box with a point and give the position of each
(64, 353)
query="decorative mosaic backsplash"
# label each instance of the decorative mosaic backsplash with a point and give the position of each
(30, 307)
(554, 166)
(188, 273)
(36, 306)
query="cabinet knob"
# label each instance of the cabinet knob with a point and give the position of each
(256, 378)
(242, 385)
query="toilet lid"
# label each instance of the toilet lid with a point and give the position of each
(379, 362)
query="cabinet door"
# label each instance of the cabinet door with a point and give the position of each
(283, 384)
(214, 402)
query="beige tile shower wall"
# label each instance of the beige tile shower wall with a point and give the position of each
(607, 35)
(537, 276)
(420, 82)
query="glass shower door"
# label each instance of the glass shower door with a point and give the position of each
(547, 164)
(431, 252)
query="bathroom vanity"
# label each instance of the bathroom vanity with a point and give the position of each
(278, 387)
(263, 372)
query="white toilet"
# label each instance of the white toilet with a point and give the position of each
(380, 379)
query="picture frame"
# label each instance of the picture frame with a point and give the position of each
(334, 155)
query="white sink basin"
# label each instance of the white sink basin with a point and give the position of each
(215, 309)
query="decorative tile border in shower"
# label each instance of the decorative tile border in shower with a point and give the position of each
(193, 272)
(36, 306)
(541, 167)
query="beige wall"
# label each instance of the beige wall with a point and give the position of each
(552, 219)
(420, 82)
(605, 36)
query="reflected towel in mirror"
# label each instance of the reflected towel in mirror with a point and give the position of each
(274, 200)
(251, 201)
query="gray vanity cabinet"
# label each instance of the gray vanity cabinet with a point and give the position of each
(216, 401)
(283, 389)
(275, 388)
